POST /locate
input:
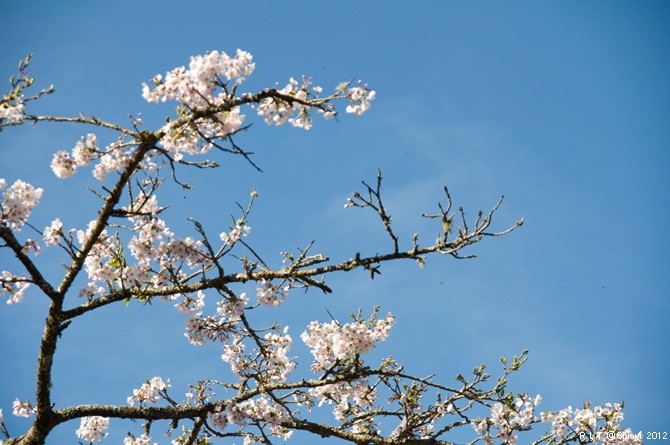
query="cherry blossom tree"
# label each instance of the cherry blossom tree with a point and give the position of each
(129, 255)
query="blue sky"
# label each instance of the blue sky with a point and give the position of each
(563, 107)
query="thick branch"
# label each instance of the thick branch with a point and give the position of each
(36, 276)
(147, 143)
(465, 239)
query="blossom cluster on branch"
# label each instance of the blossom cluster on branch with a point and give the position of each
(128, 253)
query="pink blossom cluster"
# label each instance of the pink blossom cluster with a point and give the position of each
(269, 361)
(65, 165)
(270, 294)
(150, 232)
(15, 209)
(331, 342)
(232, 308)
(142, 440)
(113, 158)
(413, 409)
(174, 252)
(149, 391)
(506, 420)
(234, 354)
(201, 329)
(18, 202)
(23, 409)
(218, 418)
(277, 111)
(195, 86)
(102, 264)
(15, 286)
(204, 87)
(238, 231)
(350, 398)
(53, 233)
(261, 409)
(158, 254)
(30, 245)
(585, 421)
(278, 365)
(91, 428)
(13, 114)
(360, 97)
(189, 304)
(196, 138)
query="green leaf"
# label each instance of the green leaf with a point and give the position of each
(342, 87)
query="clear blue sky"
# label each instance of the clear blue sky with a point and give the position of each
(563, 107)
